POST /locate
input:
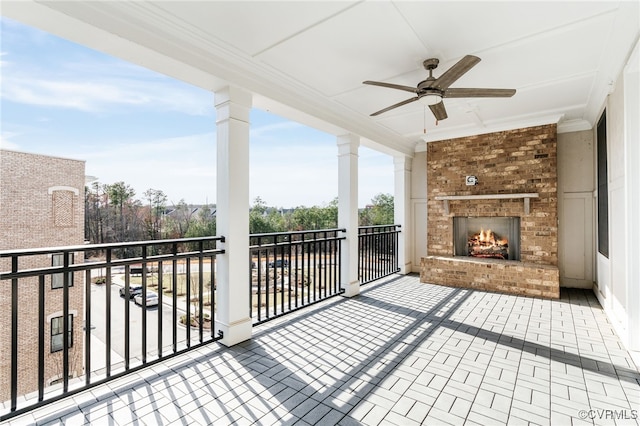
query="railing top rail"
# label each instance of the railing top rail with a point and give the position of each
(77, 267)
(310, 231)
(379, 226)
(105, 246)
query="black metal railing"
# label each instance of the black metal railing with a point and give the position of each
(377, 252)
(72, 326)
(292, 270)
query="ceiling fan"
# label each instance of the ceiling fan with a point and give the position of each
(432, 90)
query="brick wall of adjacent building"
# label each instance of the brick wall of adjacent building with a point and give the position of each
(508, 162)
(41, 205)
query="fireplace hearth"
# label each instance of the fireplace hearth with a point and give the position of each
(487, 237)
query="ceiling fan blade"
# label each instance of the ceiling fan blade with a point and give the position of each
(455, 72)
(399, 104)
(439, 111)
(479, 93)
(391, 86)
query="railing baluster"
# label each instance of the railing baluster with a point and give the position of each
(324, 264)
(188, 301)
(289, 263)
(305, 271)
(174, 296)
(212, 296)
(65, 324)
(315, 266)
(259, 277)
(41, 337)
(200, 292)
(14, 334)
(144, 304)
(267, 283)
(282, 301)
(127, 316)
(296, 274)
(87, 328)
(108, 315)
(160, 305)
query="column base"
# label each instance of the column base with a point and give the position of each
(351, 289)
(235, 333)
(405, 269)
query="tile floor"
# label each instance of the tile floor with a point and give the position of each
(401, 353)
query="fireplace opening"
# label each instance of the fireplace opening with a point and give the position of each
(487, 237)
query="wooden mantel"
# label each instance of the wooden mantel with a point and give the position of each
(525, 196)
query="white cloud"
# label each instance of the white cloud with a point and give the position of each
(101, 94)
(274, 132)
(97, 86)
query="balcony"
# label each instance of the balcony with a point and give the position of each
(79, 324)
(400, 353)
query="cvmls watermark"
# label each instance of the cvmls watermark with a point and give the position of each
(609, 414)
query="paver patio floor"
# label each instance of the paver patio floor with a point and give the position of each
(400, 353)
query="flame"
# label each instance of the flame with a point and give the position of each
(487, 244)
(487, 236)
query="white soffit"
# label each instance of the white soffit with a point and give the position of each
(347, 49)
(253, 26)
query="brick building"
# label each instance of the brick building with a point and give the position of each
(41, 205)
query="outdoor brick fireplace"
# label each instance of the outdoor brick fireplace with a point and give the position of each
(501, 233)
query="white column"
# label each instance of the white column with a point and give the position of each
(348, 211)
(402, 210)
(632, 199)
(233, 107)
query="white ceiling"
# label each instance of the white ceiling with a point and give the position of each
(306, 60)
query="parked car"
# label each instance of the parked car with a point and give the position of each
(133, 291)
(279, 263)
(152, 299)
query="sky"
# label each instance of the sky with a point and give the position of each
(151, 131)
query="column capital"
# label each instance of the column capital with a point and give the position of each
(348, 144)
(233, 102)
(402, 162)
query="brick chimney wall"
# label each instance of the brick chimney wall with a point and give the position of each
(508, 162)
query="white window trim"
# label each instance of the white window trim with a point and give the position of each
(52, 189)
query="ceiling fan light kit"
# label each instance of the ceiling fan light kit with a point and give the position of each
(431, 91)
(430, 99)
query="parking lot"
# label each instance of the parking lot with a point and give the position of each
(98, 324)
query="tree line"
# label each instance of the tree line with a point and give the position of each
(113, 213)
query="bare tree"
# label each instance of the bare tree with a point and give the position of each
(181, 218)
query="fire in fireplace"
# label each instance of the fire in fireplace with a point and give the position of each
(487, 237)
(488, 244)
